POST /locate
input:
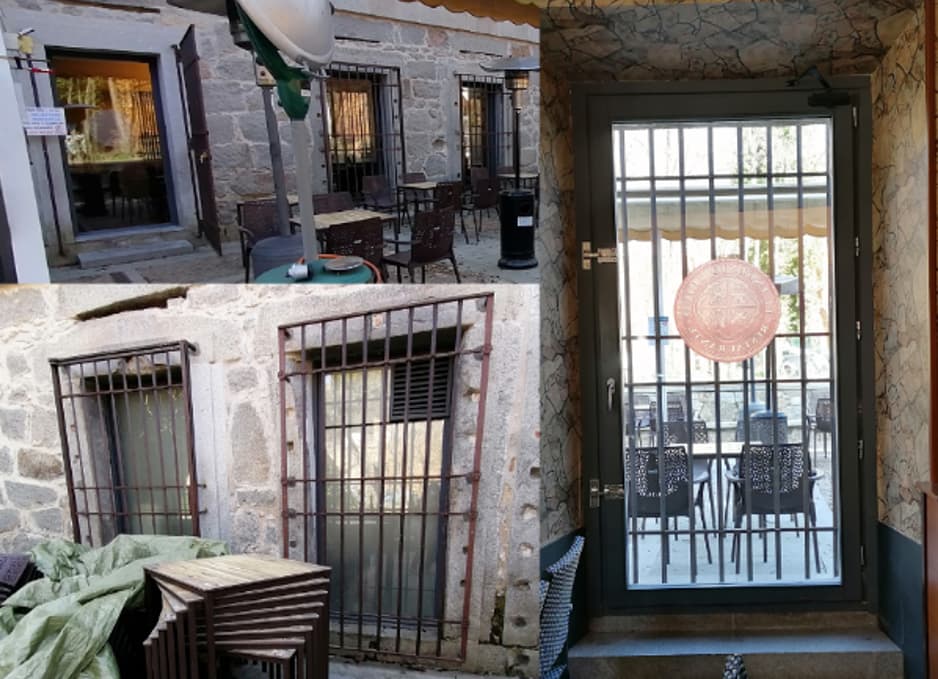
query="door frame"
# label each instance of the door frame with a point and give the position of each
(66, 33)
(599, 339)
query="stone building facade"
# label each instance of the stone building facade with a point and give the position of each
(430, 47)
(700, 41)
(236, 422)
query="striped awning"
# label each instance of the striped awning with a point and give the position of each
(515, 11)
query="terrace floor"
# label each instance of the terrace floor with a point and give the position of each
(478, 263)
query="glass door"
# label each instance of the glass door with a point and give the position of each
(730, 385)
(114, 146)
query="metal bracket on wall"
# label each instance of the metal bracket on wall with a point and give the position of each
(599, 255)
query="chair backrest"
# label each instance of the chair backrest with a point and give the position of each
(643, 479)
(412, 177)
(332, 202)
(761, 465)
(677, 432)
(432, 235)
(484, 193)
(823, 414)
(259, 217)
(363, 239)
(447, 195)
(477, 173)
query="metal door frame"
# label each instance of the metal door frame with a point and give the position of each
(595, 108)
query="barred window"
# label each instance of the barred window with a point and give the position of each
(125, 422)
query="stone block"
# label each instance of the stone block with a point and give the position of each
(13, 423)
(21, 307)
(17, 365)
(242, 379)
(9, 520)
(49, 520)
(28, 495)
(250, 460)
(6, 460)
(34, 464)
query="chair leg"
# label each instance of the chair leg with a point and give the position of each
(703, 522)
(462, 219)
(423, 274)
(817, 553)
(452, 258)
(412, 273)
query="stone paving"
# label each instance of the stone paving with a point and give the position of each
(478, 263)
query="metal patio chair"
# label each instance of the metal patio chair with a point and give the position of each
(647, 499)
(377, 194)
(257, 220)
(363, 238)
(556, 592)
(484, 196)
(432, 241)
(677, 432)
(759, 466)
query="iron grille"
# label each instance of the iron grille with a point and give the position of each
(375, 484)
(739, 440)
(485, 124)
(363, 110)
(125, 424)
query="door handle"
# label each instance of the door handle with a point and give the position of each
(203, 157)
(610, 393)
(599, 492)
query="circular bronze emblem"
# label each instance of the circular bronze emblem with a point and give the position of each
(727, 310)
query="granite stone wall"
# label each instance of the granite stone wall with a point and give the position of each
(900, 274)
(694, 40)
(235, 403)
(429, 46)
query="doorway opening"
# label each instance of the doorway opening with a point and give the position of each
(114, 149)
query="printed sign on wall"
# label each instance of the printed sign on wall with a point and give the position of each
(44, 122)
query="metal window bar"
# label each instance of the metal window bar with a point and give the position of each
(374, 483)
(485, 124)
(362, 107)
(125, 426)
(796, 185)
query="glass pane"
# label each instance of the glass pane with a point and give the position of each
(383, 495)
(114, 145)
(153, 464)
(729, 451)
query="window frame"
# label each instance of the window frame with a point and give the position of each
(75, 428)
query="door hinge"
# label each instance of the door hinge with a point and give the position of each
(600, 255)
(598, 492)
(856, 117)
(859, 331)
(856, 246)
(860, 450)
(862, 556)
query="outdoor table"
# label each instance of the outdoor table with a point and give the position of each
(219, 601)
(321, 276)
(326, 219)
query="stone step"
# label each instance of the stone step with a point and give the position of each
(137, 252)
(834, 647)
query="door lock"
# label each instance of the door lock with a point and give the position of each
(598, 492)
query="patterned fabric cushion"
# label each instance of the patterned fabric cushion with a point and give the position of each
(555, 611)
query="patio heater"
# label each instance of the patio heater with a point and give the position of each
(301, 30)
(516, 205)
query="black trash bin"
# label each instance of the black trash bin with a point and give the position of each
(516, 209)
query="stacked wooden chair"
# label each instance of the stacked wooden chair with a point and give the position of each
(220, 612)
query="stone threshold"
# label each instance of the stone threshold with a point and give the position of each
(127, 232)
(819, 646)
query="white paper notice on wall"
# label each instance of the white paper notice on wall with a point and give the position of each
(526, 221)
(44, 121)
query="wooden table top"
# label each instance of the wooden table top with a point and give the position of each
(420, 186)
(292, 198)
(523, 175)
(224, 572)
(326, 219)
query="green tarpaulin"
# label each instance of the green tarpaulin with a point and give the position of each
(58, 627)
